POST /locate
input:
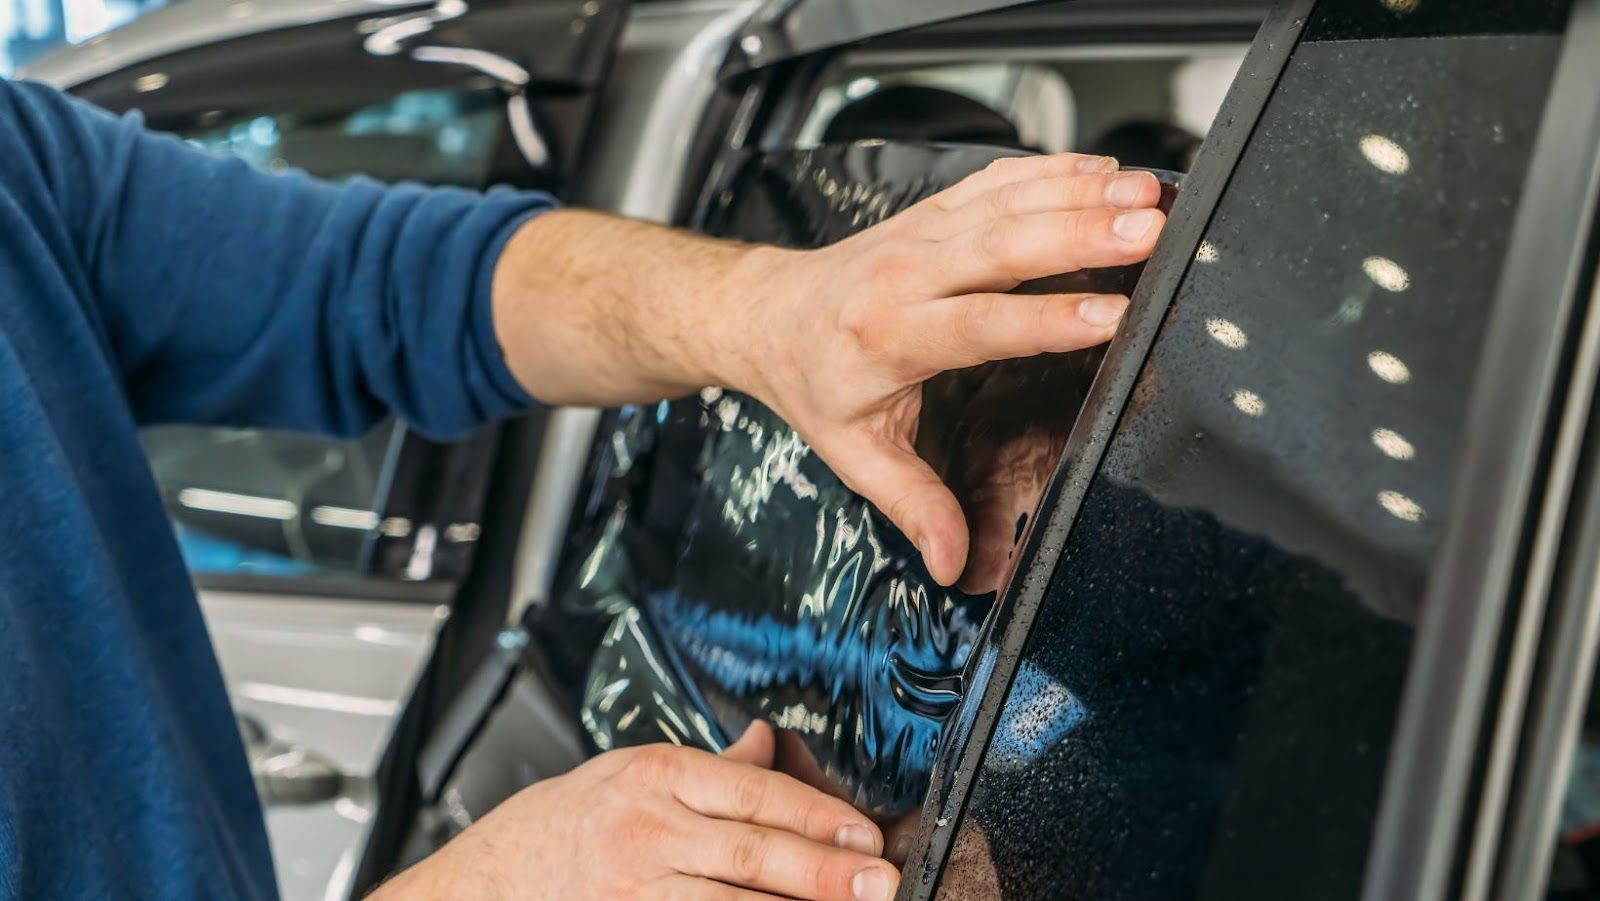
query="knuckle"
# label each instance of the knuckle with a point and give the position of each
(749, 795)
(1003, 200)
(972, 319)
(996, 245)
(653, 764)
(747, 858)
(815, 818)
(899, 509)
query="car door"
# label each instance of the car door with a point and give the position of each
(328, 569)
(1254, 641)
(1250, 651)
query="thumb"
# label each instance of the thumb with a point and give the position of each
(907, 490)
(757, 746)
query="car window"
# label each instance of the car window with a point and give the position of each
(271, 503)
(1148, 106)
(1205, 703)
(438, 137)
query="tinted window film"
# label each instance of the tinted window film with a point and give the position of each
(1344, 20)
(1205, 703)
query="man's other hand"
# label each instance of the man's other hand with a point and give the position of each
(837, 341)
(662, 822)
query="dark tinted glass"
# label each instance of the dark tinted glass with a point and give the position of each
(1204, 706)
(1343, 20)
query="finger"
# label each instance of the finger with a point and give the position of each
(1011, 169)
(902, 485)
(1003, 253)
(756, 747)
(1118, 190)
(772, 860)
(958, 332)
(679, 887)
(727, 789)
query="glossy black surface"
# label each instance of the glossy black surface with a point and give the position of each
(1344, 20)
(1205, 704)
(748, 582)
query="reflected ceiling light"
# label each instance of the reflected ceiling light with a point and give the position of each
(1393, 445)
(1401, 6)
(1401, 507)
(155, 81)
(243, 10)
(338, 702)
(1389, 367)
(345, 518)
(1249, 403)
(1386, 274)
(861, 87)
(1207, 253)
(237, 504)
(1386, 154)
(1227, 334)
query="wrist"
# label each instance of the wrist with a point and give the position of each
(744, 311)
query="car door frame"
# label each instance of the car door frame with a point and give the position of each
(1506, 646)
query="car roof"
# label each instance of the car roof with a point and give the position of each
(194, 23)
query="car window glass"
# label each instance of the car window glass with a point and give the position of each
(270, 503)
(1148, 107)
(438, 137)
(1205, 703)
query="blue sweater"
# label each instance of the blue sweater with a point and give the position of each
(144, 282)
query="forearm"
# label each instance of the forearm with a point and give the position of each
(594, 309)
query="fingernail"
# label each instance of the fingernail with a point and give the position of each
(1124, 190)
(1098, 164)
(1134, 226)
(856, 837)
(872, 884)
(1102, 311)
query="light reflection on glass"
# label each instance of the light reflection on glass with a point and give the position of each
(1249, 403)
(238, 504)
(861, 87)
(155, 81)
(1401, 6)
(1386, 154)
(1227, 334)
(1389, 367)
(1401, 507)
(1386, 274)
(1393, 445)
(344, 518)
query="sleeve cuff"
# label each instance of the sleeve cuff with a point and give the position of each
(503, 394)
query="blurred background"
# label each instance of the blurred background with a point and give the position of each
(29, 28)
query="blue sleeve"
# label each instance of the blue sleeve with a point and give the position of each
(232, 296)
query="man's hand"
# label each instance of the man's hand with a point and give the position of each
(839, 340)
(662, 822)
